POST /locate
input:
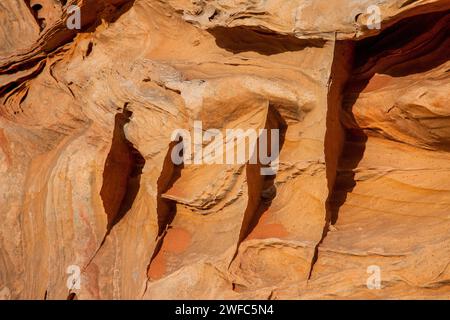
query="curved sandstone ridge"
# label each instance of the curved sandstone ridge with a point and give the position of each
(87, 181)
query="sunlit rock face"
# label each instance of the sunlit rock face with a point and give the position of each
(359, 206)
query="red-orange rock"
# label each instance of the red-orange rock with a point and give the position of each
(86, 124)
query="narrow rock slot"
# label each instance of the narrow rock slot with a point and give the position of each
(413, 45)
(427, 35)
(261, 189)
(122, 174)
(166, 210)
(354, 147)
(335, 134)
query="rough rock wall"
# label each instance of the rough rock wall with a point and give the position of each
(86, 118)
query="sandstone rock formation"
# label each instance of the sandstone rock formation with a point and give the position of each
(86, 179)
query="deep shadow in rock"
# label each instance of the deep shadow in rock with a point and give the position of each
(261, 188)
(246, 39)
(427, 35)
(166, 208)
(353, 152)
(170, 173)
(122, 173)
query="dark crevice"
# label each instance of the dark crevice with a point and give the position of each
(7, 90)
(352, 153)
(261, 189)
(411, 46)
(414, 45)
(72, 296)
(10, 87)
(246, 39)
(166, 208)
(121, 176)
(170, 173)
(335, 133)
(354, 147)
(89, 49)
(122, 173)
(29, 64)
(428, 35)
(389, 42)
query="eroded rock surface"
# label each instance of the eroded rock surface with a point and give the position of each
(86, 123)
